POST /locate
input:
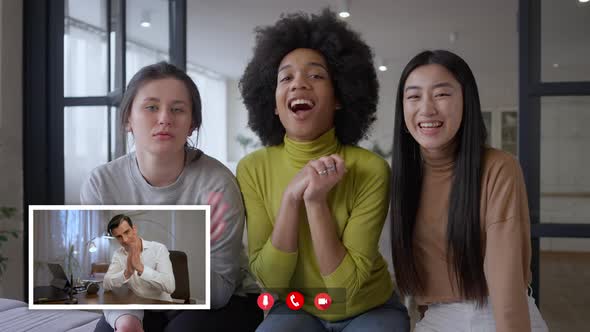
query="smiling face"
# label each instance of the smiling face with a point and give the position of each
(305, 101)
(160, 117)
(433, 107)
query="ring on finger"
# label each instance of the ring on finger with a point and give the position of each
(331, 168)
(323, 172)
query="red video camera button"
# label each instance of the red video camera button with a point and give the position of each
(322, 301)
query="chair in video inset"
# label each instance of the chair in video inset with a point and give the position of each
(98, 268)
(180, 270)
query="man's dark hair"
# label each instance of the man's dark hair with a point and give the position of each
(116, 221)
(350, 65)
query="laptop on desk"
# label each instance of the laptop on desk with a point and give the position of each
(57, 291)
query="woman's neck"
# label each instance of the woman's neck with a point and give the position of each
(440, 157)
(160, 170)
(300, 153)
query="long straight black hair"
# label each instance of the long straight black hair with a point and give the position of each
(464, 244)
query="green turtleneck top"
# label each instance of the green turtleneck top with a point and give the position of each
(358, 203)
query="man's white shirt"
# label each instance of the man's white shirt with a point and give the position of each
(156, 281)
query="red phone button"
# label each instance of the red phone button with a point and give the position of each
(294, 300)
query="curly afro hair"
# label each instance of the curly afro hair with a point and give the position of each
(350, 63)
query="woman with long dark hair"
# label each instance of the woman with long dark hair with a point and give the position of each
(460, 219)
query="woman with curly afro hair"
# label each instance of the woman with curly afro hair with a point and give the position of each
(315, 202)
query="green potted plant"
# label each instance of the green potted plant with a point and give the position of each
(385, 154)
(247, 142)
(5, 235)
(72, 265)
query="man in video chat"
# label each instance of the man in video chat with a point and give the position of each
(143, 266)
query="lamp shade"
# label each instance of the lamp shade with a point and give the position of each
(92, 247)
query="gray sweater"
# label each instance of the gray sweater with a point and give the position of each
(120, 182)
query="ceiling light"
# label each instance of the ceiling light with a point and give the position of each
(344, 11)
(453, 37)
(556, 65)
(583, 1)
(146, 20)
(381, 64)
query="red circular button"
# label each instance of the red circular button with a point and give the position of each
(265, 301)
(322, 301)
(294, 301)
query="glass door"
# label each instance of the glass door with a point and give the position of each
(553, 145)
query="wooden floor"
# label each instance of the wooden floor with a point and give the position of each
(565, 291)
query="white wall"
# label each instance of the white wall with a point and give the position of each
(11, 175)
(237, 123)
(382, 130)
(565, 180)
(190, 238)
(564, 144)
(212, 135)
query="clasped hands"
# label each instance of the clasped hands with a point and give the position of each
(315, 180)
(133, 258)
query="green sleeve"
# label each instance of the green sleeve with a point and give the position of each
(364, 226)
(271, 266)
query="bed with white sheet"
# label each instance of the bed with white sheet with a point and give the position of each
(15, 316)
